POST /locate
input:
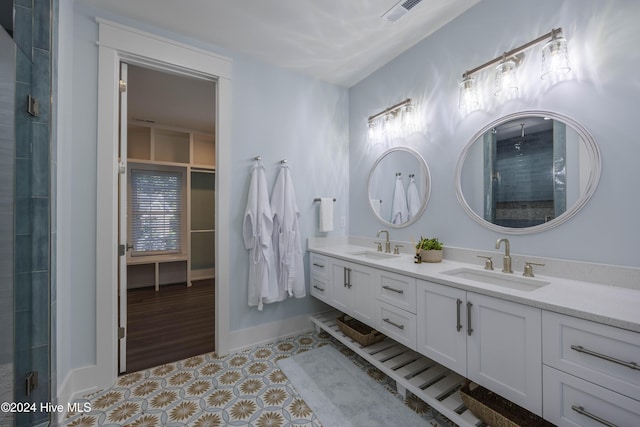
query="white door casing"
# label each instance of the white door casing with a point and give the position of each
(122, 223)
(118, 43)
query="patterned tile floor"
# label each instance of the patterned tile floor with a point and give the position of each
(241, 389)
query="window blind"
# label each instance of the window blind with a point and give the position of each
(156, 212)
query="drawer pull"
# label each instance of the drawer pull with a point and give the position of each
(581, 410)
(389, 288)
(318, 288)
(458, 324)
(631, 365)
(394, 324)
(318, 265)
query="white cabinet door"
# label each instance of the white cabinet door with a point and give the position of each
(363, 281)
(341, 296)
(441, 328)
(353, 288)
(504, 342)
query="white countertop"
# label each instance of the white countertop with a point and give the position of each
(611, 305)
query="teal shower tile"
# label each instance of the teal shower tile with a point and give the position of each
(40, 310)
(22, 254)
(23, 29)
(40, 235)
(42, 25)
(23, 121)
(23, 67)
(41, 83)
(24, 3)
(23, 213)
(40, 161)
(23, 291)
(23, 178)
(23, 328)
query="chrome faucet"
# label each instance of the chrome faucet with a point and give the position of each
(387, 243)
(506, 261)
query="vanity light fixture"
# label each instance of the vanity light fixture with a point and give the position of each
(397, 121)
(468, 100)
(555, 60)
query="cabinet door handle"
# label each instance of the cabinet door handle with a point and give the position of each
(389, 288)
(318, 265)
(469, 328)
(347, 277)
(344, 277)
(458, 324)
(394, 324)
(582, 411)
(631, 365)
(318, 288)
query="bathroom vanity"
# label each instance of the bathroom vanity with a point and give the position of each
(565, 349)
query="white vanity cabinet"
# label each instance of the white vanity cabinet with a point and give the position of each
(495, 343)
(396, 307)
(591, 372)
(504, 353)
(441, 336)
(320, 285)
(353, 289)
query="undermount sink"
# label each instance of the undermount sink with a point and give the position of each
(373, 254)
(499, 279)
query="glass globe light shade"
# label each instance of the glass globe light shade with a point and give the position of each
(555, 58)
(506, 81)
(468, 97)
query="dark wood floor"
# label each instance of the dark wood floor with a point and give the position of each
(172, 324)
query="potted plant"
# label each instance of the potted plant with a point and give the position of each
(430, 249)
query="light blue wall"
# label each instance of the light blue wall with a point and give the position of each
(277, 114)
(603, 93)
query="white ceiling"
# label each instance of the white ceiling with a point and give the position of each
(338, 41)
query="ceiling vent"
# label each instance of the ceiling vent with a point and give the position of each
(400, 9)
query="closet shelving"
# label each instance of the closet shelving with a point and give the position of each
(193, 153)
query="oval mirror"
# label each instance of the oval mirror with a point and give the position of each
(399, 187)
(527, 172)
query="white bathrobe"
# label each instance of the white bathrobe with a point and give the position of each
(256, 231)
(286, 237)
(399, 211)
(413, 199)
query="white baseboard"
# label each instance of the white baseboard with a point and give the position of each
(76, 384)
(262, 334)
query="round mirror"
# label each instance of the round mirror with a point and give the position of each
(399, 187)
(527, 172)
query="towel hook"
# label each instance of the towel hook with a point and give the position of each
(398, 173)
(283, 161)
(257, 158)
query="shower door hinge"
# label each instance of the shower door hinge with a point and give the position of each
(33, 106)
(31, 382)
(120, 332)
(122, 86)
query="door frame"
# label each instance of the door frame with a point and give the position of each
(118, 43)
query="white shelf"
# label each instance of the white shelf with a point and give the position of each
(434, 384)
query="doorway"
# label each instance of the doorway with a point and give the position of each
(167, 217)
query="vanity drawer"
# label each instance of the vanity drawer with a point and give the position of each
(396, 323)
(398, 290)
(319, 265)
(570, 401)
(320, 288)
(602, 354)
